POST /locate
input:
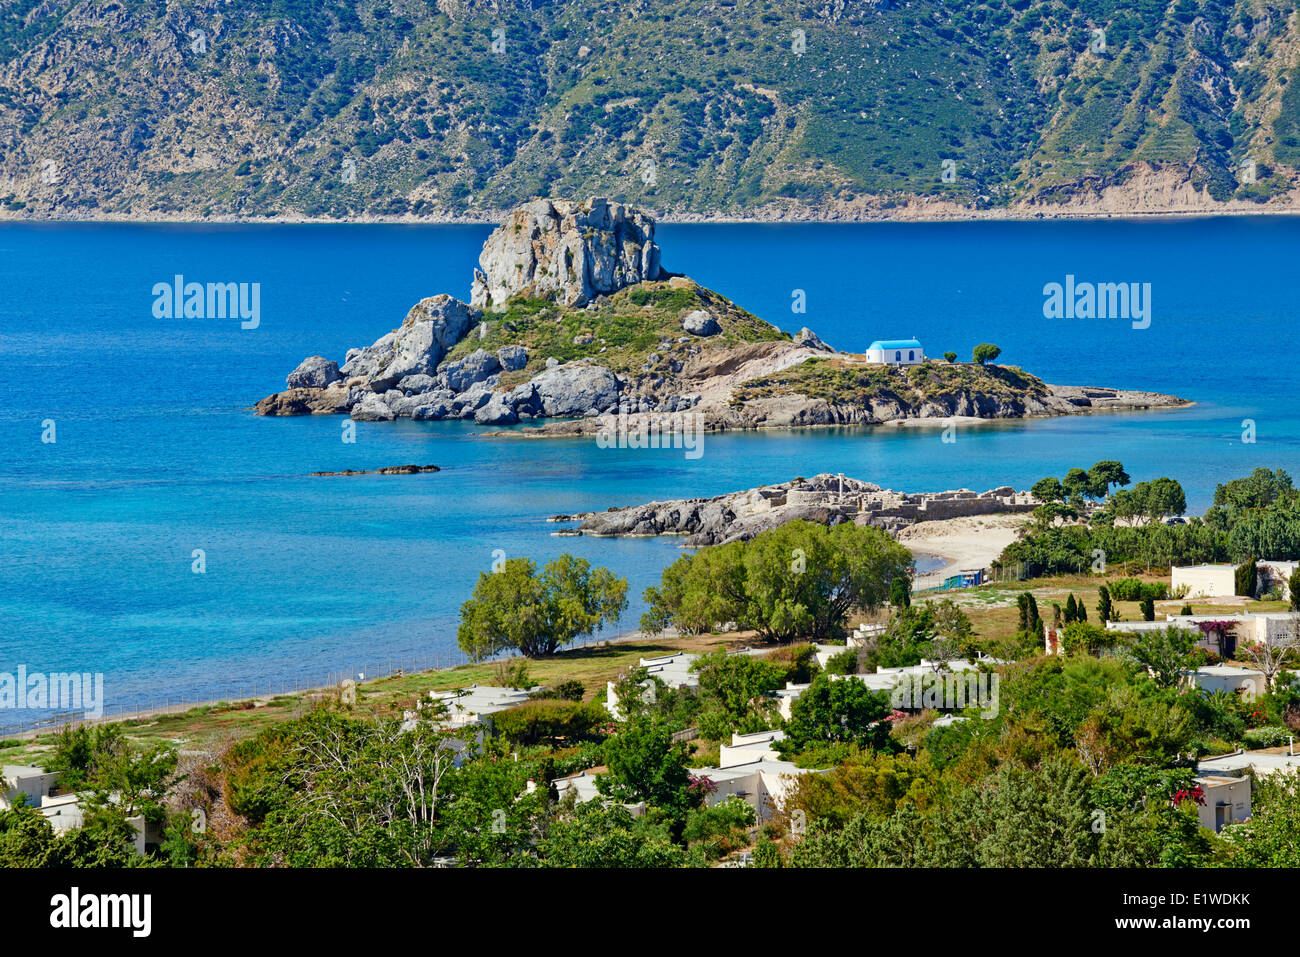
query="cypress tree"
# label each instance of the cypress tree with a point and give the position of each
(1071, 609)
(1104, 607)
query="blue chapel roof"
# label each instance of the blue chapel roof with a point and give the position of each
(894, 344)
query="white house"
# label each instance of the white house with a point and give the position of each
(745, 748)
(1219, 580)
(673, 670)
(1263, 763)
(36, 783)
(1227, 800)
(895, 352)
(762, 784)
(1204, 581)
(1246, 681)
(473, 707)
(1251, 627)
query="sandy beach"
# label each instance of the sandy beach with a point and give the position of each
(970, 542)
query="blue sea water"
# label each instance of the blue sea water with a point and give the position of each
(157, 453)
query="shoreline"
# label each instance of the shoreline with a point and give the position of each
(495, 218)
(545, 431)
(966, 542)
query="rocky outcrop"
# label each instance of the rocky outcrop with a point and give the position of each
(810, 340)
(315, 372)
(568, 251)
(825, 499)
(430, 330)
(372, 408)
(387, 470)
(700, 323)
(569, 390)
(305, 401)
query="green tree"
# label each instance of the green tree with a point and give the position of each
(837, 710)
(738, 683)
(985, 352)
(1260, 489)
(1165, 652)
(646, 765)
(950, 357)
(1293, 589)
(1246, 578)
(597, 836)
(1148, 607)
(1105, 607)
(518, 609)
(900, 593)
(1078, 486)
(799, 580)
(1048, 490)
(1104, 474)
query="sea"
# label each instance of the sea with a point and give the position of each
(154, 531)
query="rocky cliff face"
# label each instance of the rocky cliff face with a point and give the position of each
(570, 252)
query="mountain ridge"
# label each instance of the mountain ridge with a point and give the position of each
(447, 111)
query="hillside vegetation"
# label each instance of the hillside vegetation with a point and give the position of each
(460, 108)
(637, 329)
(843, 384)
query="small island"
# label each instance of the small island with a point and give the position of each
(387, 470)
(572, 319)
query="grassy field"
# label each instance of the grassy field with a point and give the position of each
(208, 728)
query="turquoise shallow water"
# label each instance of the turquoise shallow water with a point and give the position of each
(158, 455)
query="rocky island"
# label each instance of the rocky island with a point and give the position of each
(826, 499)
(572, 317)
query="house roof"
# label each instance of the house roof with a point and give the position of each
(894, 344)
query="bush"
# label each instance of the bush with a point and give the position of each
(720, 829)
(1270, 737)
(1131, 589)
(1079, 637)
(844, 663)
(570, 690)
(549, 721)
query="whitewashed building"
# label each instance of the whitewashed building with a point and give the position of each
(895, 352)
